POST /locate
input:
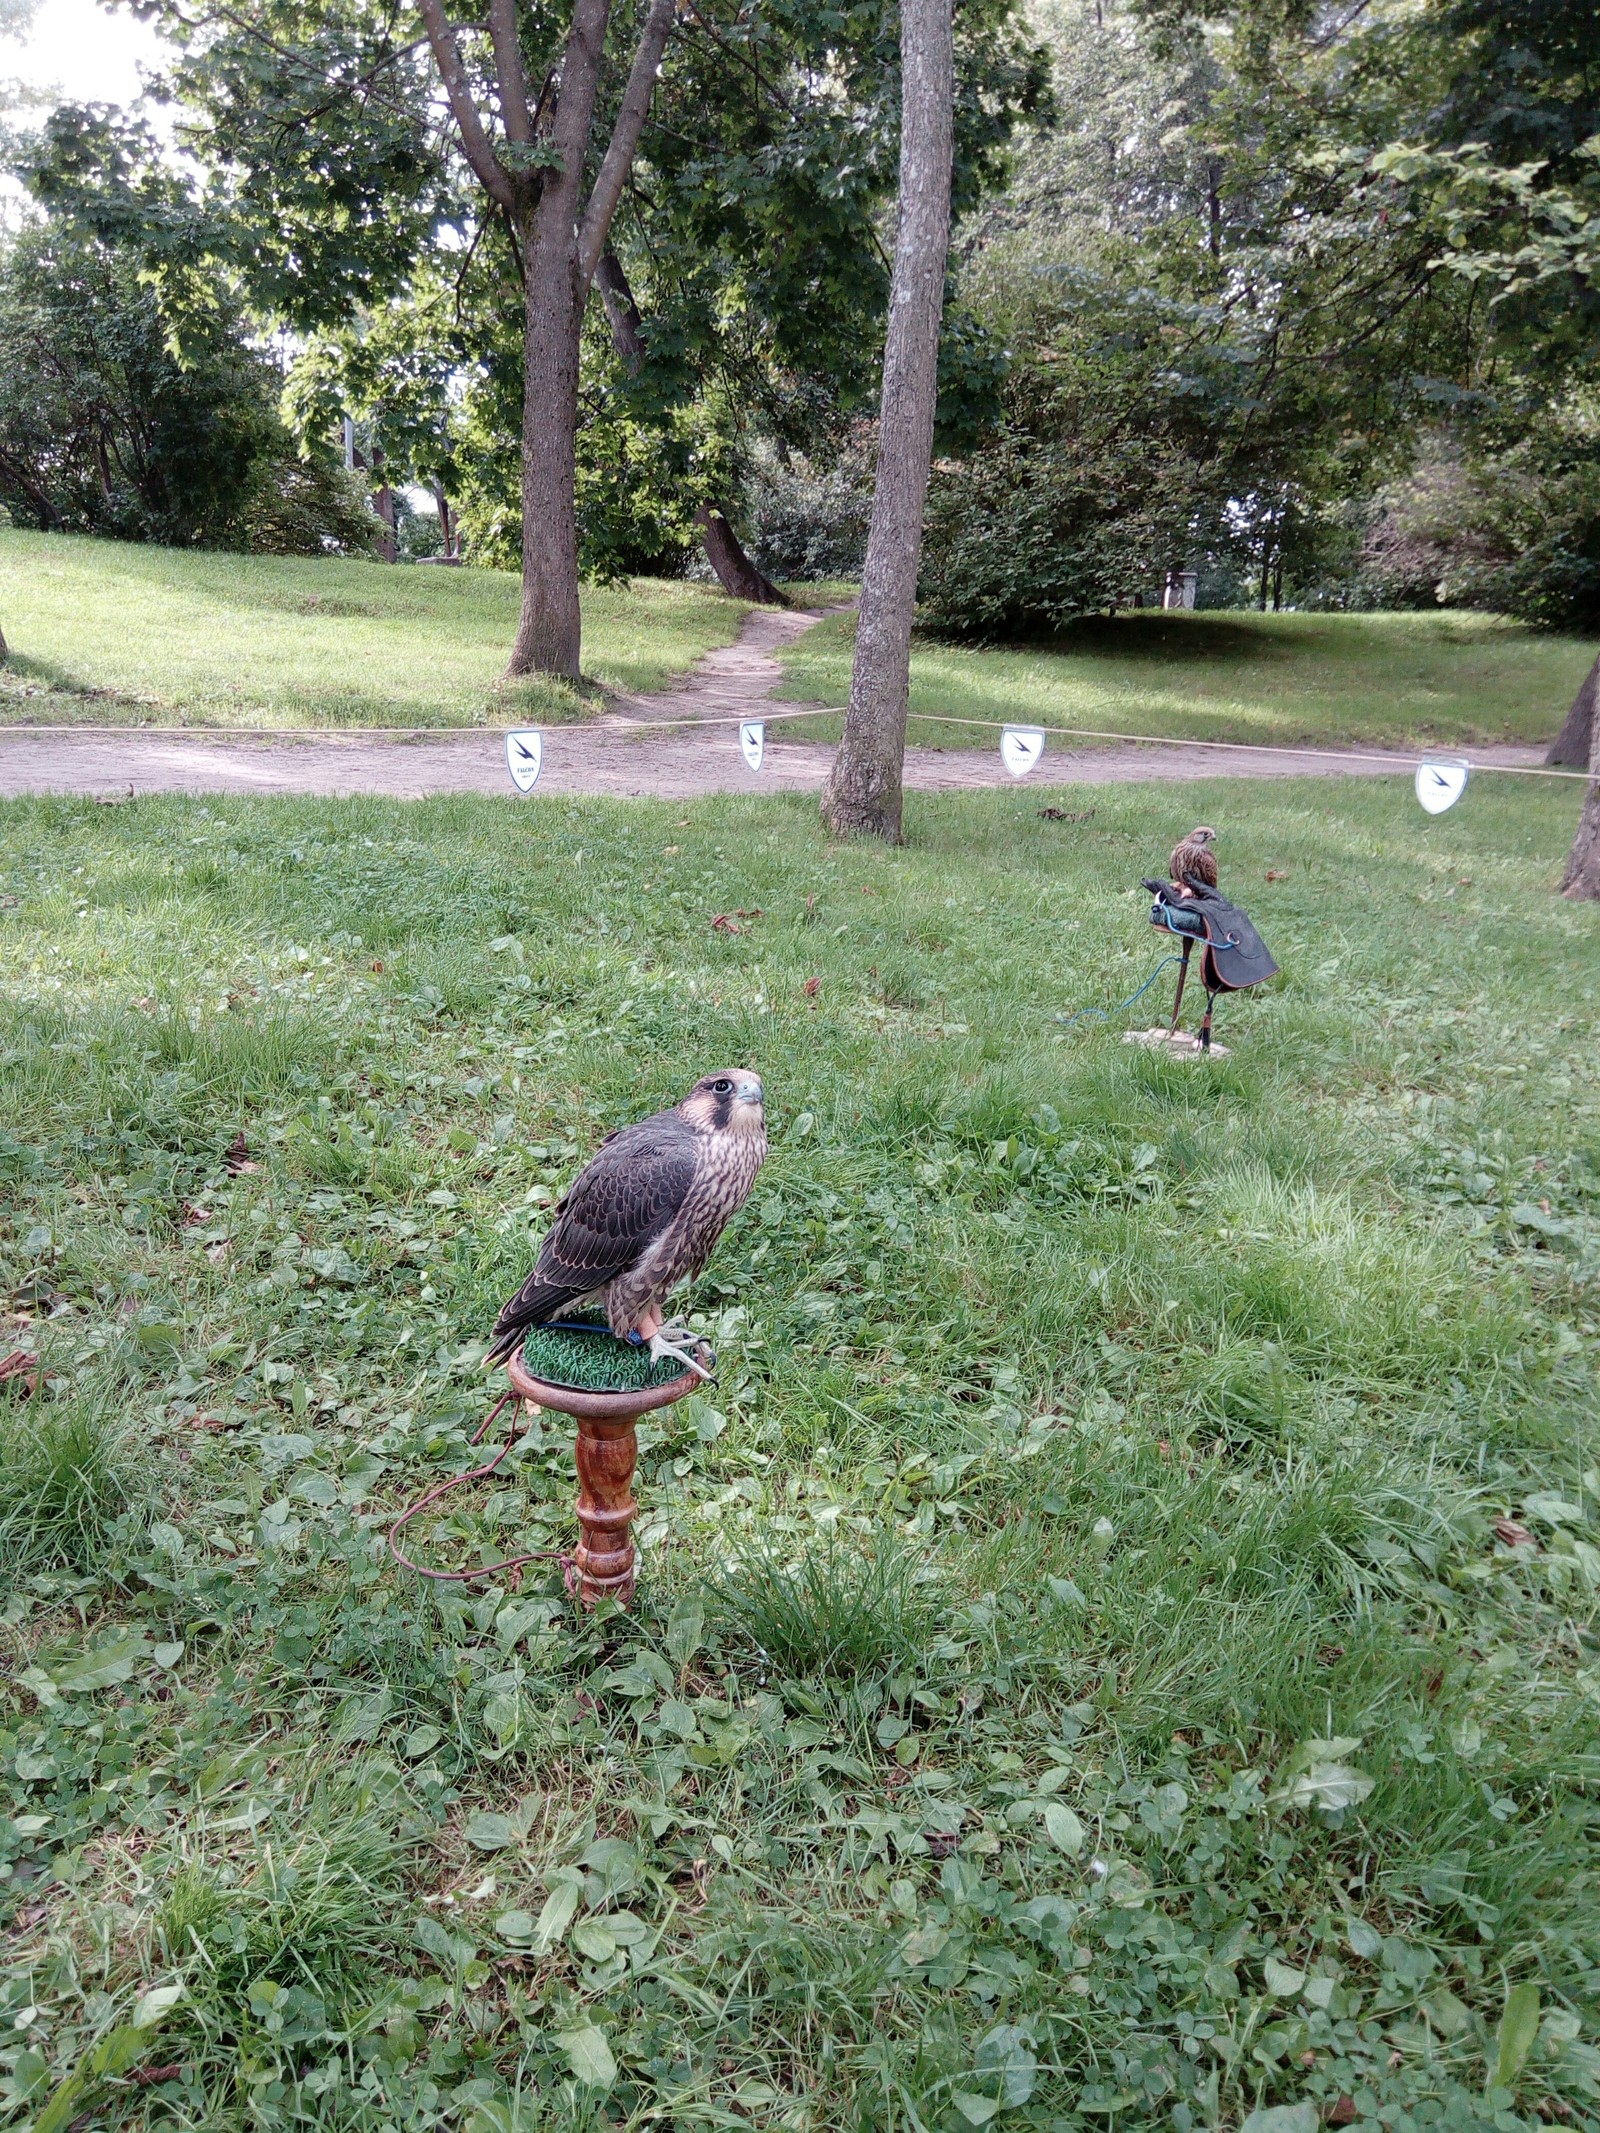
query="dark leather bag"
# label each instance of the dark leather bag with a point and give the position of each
(1236, 956)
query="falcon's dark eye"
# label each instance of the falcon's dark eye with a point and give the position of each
(724, 1087)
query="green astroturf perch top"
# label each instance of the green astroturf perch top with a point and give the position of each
(593, 1359)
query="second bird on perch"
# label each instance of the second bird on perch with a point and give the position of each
(644, 1216)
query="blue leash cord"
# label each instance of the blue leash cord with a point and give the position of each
(1105, 1013)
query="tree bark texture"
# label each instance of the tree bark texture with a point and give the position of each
(1582, 879)
(863, 794)
(550, 627)
(1570, 748)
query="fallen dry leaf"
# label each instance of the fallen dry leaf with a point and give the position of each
(1061, 814)
(144, 2077)
(218, 1252)
(1514, 1536)
(377, 966)
(1343, 2113)
(1277, 873)
(193, 1216)
(812, 987)
(724, 922)
(237, 1161)
(210, 1422)
(19, 1372)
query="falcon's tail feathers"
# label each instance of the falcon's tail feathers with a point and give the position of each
(529, 1307)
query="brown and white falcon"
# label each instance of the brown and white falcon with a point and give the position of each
(1193, 859)
(645, 1215)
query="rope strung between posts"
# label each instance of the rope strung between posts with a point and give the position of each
(458, 1481)
(781, 714)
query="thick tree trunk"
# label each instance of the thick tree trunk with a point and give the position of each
(735, 571)
(1570, 748)
(1582, 879)
(863, 794)
(550, 627)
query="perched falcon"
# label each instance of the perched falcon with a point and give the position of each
(645, 1215)
(1194, 860)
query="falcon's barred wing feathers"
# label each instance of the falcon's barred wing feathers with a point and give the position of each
(630, 1192)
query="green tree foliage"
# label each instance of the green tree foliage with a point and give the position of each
(750, 234)
(120, 416)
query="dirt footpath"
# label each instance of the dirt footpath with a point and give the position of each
(672, 746)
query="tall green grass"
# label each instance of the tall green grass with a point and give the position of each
(1333, 680)
(1119, 1643)
(105, 633)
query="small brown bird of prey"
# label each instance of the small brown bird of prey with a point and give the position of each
(645, 1215)
(1193, 859)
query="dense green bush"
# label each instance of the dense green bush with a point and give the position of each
(1092, 488)
(125, 411)
(1517, 532)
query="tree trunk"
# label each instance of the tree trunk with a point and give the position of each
(550, 627)
(4, 654)
(734, 569)
(622, 313)
(1570, 748)
(863, 795)
(1582, 879)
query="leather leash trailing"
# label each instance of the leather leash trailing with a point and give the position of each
(457, 1481)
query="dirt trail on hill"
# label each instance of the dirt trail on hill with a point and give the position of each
(659, 747)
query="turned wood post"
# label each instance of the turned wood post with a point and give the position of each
(607, 1452)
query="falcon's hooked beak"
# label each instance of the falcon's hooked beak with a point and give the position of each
(748, 1090)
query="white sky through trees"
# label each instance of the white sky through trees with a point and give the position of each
(72, 51)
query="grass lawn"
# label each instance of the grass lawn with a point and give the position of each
(1348, 679)
(105, 633)
(1118, 1645)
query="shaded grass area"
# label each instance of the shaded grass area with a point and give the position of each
(109, 633)
(1344, 679)
(1117, 1646)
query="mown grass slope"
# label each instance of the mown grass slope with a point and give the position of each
(107, 633)
(1117, 1646)
(1344, 679)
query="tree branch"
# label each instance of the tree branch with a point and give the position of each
(492, 174)
(509, 71)
(624, 137)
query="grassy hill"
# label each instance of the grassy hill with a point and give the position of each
(102, 632)
(1117, 1645)
(1386, 679)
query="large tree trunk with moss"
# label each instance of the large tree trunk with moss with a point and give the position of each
(1582, 878)
(1570, 748)
(863, 794)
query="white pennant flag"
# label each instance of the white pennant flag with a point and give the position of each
(524, 757)
(1440, 785)
(1020, 748)
(753, 740)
